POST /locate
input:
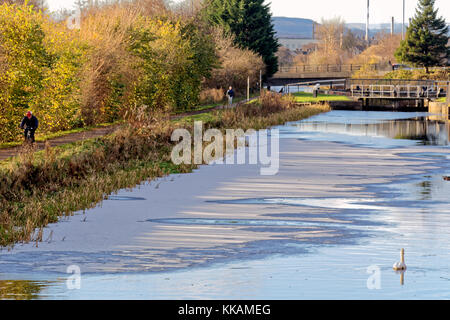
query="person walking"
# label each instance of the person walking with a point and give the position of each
(30, 124)
(392, 65)
(230, 95)
(316, 90)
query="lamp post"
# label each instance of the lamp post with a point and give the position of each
(392, 26)
(403, 23)
(367, 23)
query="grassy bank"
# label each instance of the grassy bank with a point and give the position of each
(304, 97)
(210, 106)
(39, 187)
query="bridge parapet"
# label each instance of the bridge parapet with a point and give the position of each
(328, 68)
(398, 89)
(326, 71)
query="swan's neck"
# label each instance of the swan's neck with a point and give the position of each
(402, 256)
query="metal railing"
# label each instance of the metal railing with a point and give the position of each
(377, 88)
(396, 82)
(399, 91)
(330, 68)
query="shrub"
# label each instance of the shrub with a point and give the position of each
(235, 65)
(109, 73)
(121, 59)
(420, 74)
(59, 100)
(269, 105)
(381, 52)
(272, 102)
(209, 96)
(41, 61)
(24, 60)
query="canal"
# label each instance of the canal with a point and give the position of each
(354, 187)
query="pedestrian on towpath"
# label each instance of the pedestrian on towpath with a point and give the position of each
(29, 123)
(316, 90)
(230, 95)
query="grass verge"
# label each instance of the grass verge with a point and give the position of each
(304, 97)
(218, 104)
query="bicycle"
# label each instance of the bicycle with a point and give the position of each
(29, 135)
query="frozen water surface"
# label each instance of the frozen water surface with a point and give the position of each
(353, 189)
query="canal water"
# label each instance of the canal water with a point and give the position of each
(336, 236)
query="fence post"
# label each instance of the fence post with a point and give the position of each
(248, 89)
(260, 82)
(448, 95)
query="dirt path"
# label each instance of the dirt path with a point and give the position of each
(69, 138)
(98, 132)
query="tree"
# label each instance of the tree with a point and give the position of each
(36, 4)
(250, 21)
(236, 64)
(285, 56)
(426, 38)
(331, 33)
(381, 51)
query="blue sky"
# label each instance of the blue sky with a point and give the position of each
(350, 10)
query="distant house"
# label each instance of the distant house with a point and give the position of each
(297, 44)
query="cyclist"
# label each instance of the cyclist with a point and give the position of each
(29, 123)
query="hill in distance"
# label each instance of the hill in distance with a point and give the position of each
(293, 27)
(303, 28)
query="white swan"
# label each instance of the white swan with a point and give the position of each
(400, 266)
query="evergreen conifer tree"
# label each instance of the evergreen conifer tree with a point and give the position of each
(426, 38)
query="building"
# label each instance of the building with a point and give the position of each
(297, 44)
(295, 33)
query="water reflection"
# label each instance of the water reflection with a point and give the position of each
(124, 198)
(260, 243)
(21, 289)
(425, 188)
(373, 129)
(332, 203)
(402, 277)
(431, 188)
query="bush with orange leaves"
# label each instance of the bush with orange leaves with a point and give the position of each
(236, 65)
